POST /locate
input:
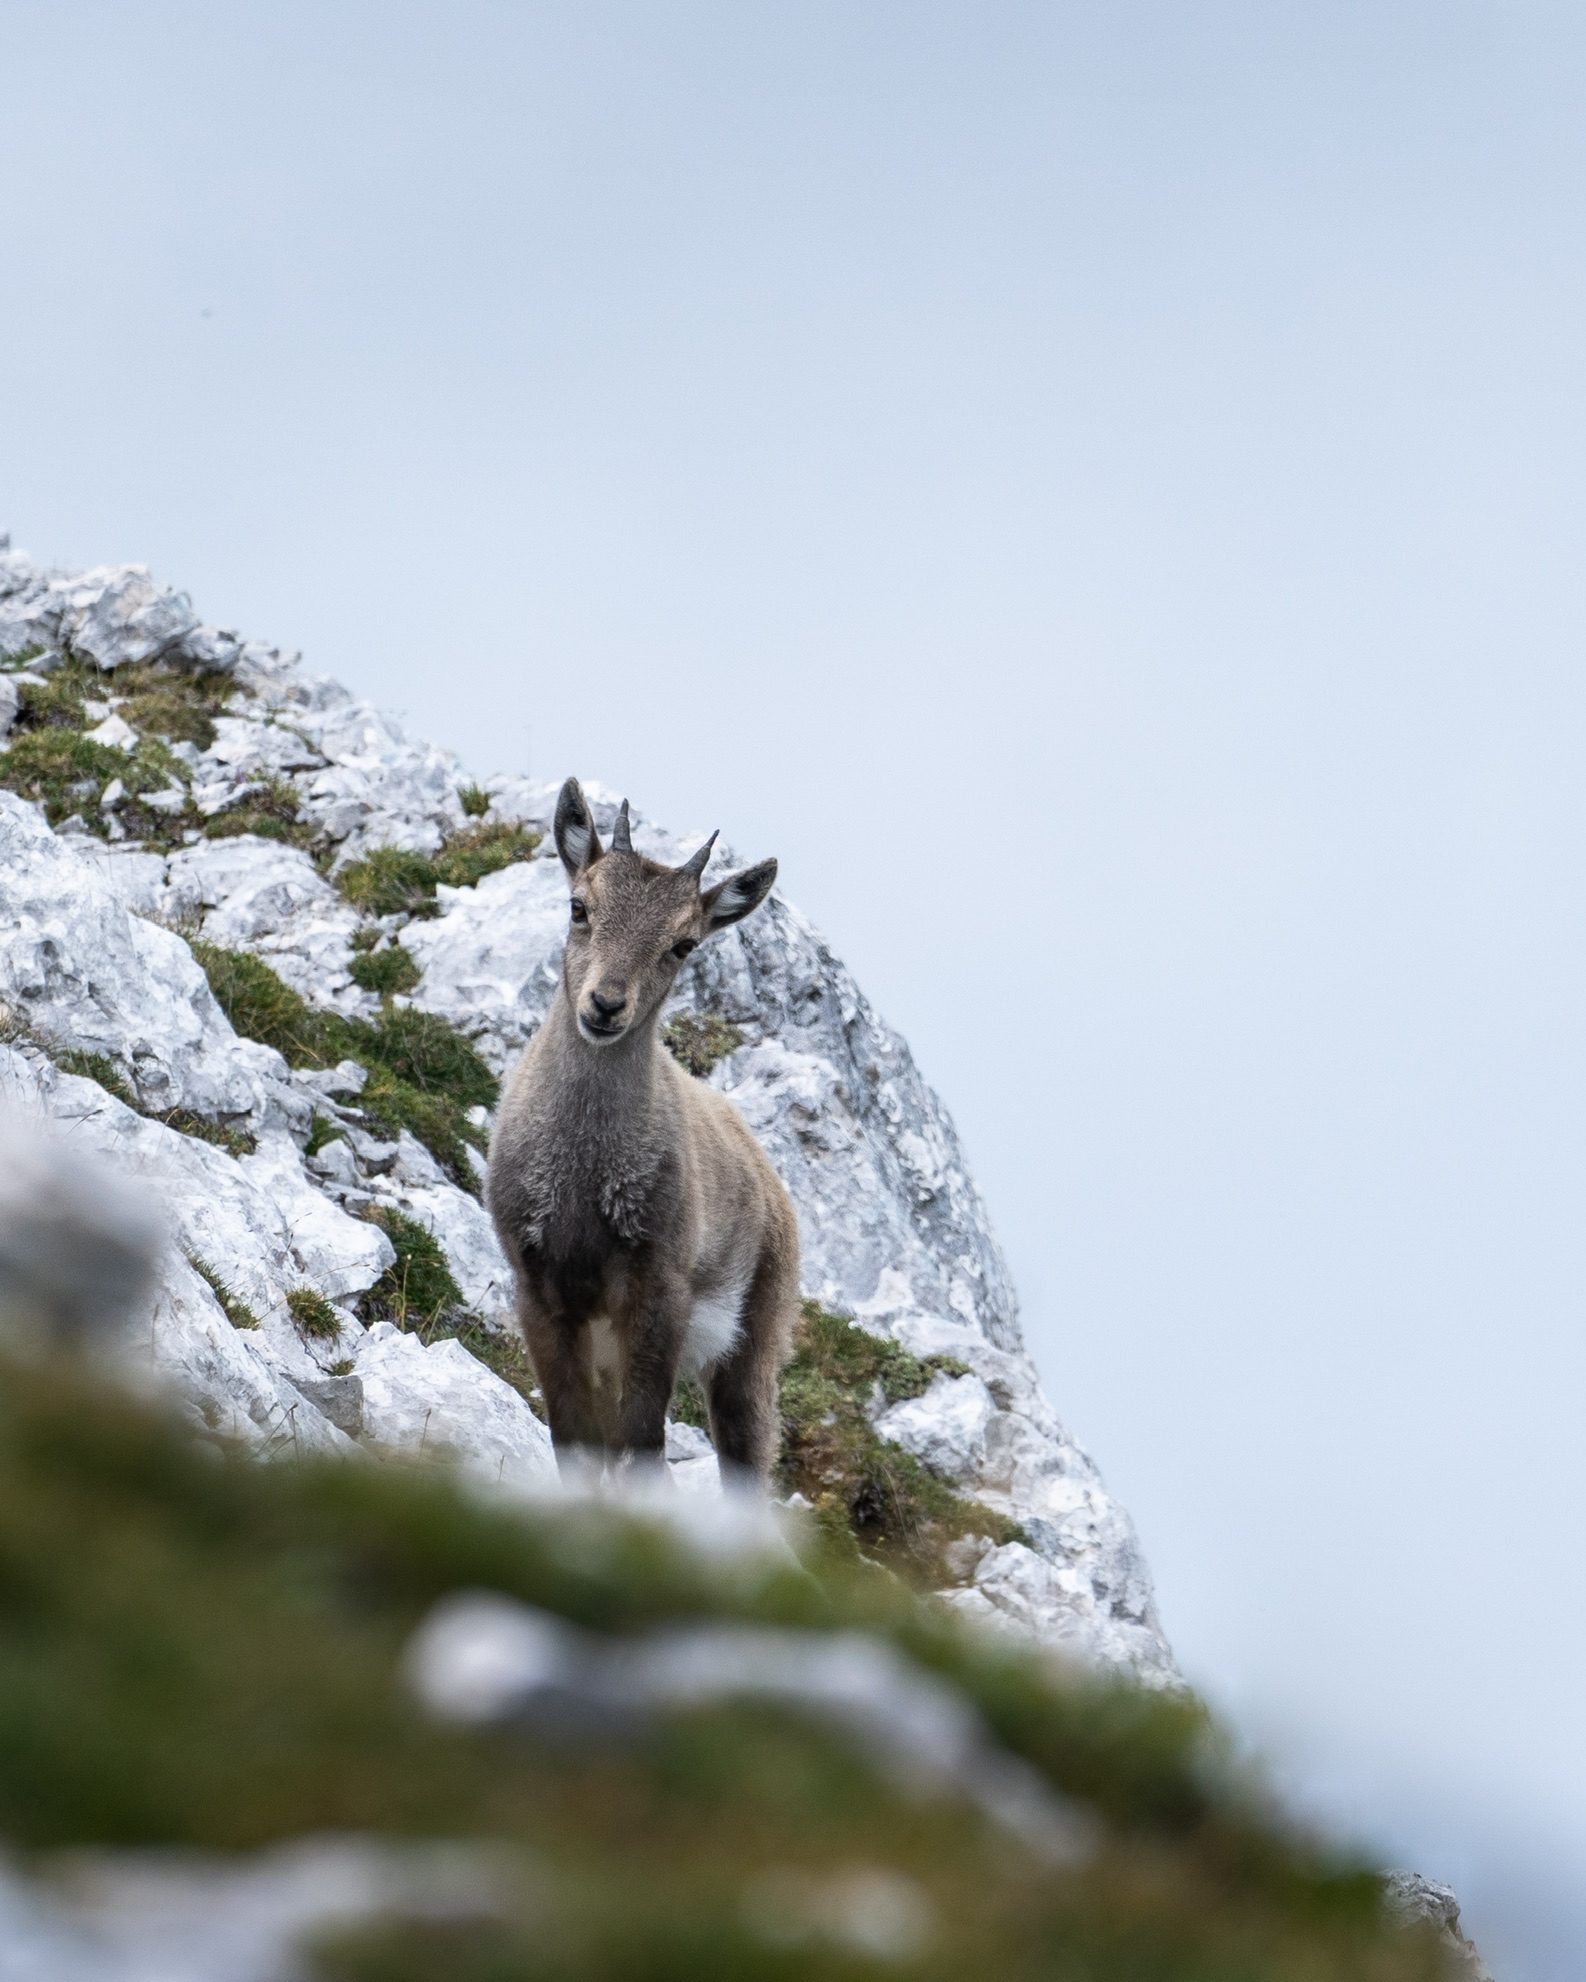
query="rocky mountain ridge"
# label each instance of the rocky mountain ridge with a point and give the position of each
(174, 785)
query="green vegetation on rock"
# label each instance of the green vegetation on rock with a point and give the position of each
(418, 1286)
(95, 1067)
(52, 760)
(423, 1074)
(698, 1043)
(233, 1306)
(103, 1071)
(201, 1651)
(869, 1495)
(390, 971)
(419, 1294)
(312, 1315)
(392, 880)
(272, 812)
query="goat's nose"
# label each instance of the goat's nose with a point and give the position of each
(607, 1007)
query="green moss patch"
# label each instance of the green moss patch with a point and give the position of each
(323, 1129)
(698, 1043)
(202, 1651)
(418, 1293)
(869, 1495)
(423, 1075)
(100, 1068)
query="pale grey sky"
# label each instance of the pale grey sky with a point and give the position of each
(1098, 491)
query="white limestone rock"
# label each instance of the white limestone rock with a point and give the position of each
(246, 893)
(439, 1402)
(84, 972)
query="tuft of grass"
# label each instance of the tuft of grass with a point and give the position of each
(323, 1129)
(869, 1495)
(235, 1142)
(232, 1305)
(474, 800)
(312, 1315)
(418, 1287)
(387, 971)
(101, 1068)
(52, 762)
(698, 1043)
(96, 1067)
(272, 814)
(469, 856)
(172, 703)
(391, 880)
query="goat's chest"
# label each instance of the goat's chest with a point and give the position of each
(588, 1201)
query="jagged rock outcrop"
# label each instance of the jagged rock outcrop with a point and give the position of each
(94, 960)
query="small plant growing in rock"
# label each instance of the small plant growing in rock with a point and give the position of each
(698, 1043)
(393, 880)
(312, 1315)
(387, 971)
(272, 814)
(418, 1286)
(96, 1067)
(469, 856)
(232, 1305)
(390, 880)
(474, 800)
(323, 1129)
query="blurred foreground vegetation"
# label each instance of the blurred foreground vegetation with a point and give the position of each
(200, 1649)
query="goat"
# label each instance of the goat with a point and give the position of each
(649, 1235)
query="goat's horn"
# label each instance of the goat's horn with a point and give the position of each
(620, 841)
(695, 864)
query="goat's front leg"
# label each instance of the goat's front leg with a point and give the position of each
(556, 1349)
(654, 1343)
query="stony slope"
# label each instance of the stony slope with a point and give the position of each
(172, 787)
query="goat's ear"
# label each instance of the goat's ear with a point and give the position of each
(576, 839)
(739, 895)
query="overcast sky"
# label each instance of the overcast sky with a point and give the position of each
(1097, 490)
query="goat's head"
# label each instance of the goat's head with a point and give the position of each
(633, 920)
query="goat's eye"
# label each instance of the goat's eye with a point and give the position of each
(580, 913)
(681, 950)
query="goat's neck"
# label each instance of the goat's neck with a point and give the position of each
(610, 1090)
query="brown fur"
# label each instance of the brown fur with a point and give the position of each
(649, 1234)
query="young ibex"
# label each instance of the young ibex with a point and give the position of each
(650, 1236)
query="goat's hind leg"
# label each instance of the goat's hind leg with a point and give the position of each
(745, 1423)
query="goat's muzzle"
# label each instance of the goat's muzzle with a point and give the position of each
(601, 1016)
